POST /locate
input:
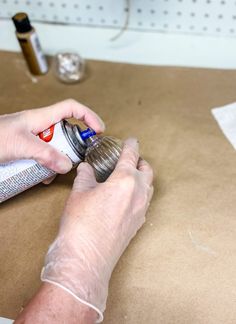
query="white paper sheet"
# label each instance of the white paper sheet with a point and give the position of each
(226, 119)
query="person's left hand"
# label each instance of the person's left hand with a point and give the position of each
(18, 132)
(99, 221)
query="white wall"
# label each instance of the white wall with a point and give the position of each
(159, 32)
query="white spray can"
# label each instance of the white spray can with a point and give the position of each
(18, 176)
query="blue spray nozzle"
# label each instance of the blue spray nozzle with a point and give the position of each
(87, 133)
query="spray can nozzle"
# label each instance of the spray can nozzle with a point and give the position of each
(87, 133)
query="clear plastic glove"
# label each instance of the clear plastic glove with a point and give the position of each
(18, 130)
(98, 222)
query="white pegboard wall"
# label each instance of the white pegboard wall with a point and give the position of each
(205, 17)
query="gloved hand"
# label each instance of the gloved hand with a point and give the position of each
(98, 222)
(18, 130)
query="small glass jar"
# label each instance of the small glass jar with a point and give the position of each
(69, 67)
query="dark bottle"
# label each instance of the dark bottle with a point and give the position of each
(29, 44)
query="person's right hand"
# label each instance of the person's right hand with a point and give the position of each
(18, 132)
(98, 222)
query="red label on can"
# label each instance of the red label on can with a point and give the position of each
(47, 135)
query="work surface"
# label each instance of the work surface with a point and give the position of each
(180, 268)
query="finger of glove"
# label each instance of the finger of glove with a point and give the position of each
(41, 118)
(150, 194)
(49, 180)
(130, 154)
(85, 179)
(147, 172)
(31, 147)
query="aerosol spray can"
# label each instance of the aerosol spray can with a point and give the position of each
(29, 44)
(101, 152)
(17, 176)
